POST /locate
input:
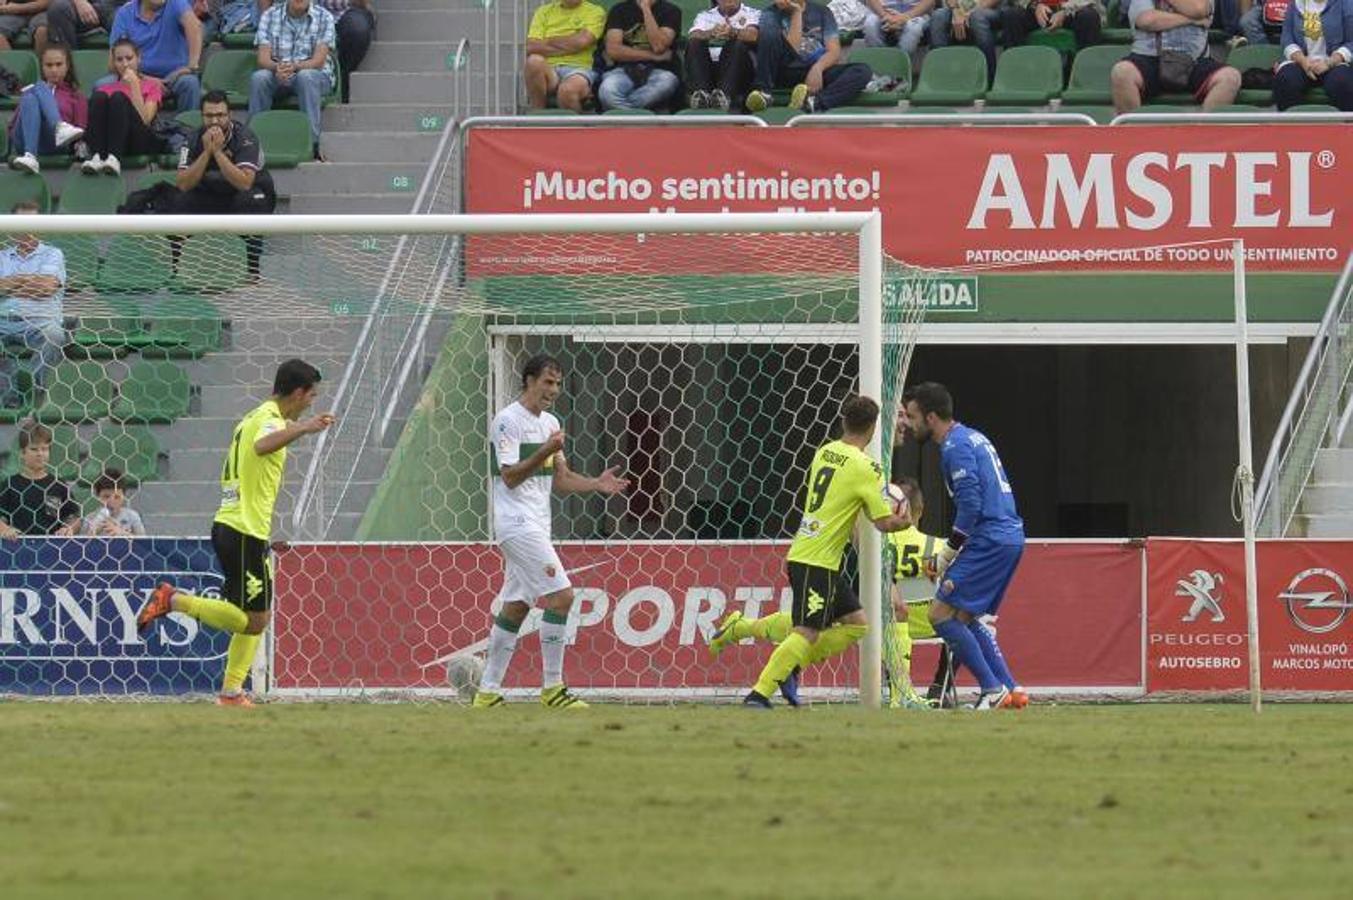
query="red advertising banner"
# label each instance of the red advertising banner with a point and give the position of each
(391, 616)
(1196, 616)
(1053, 197)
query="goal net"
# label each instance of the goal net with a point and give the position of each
(704, 357)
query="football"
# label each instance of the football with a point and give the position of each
(896, 499)
(463, 674)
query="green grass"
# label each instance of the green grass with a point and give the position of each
(374, 801)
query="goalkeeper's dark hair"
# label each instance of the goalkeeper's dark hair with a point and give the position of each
(931, 397)
(293, 375)
(538, 365)
(859, 414)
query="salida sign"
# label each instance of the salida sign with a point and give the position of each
(1196, 637)
(953, 197)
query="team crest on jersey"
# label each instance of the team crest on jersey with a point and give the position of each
(549, 571)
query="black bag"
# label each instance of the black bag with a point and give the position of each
(10, 85)
(1258, 79)
(638, 72)
(157, 199)
(1175, 69)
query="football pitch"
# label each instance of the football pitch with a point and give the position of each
(394, 801)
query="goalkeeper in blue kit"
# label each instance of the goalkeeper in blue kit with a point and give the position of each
(973, 568)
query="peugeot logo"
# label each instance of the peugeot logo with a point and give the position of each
(1317, 600)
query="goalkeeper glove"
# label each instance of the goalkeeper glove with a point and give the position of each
(943, 558)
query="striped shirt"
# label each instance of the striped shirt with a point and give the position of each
(295, 40)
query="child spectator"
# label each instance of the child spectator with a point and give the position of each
(52, 112)
(33, 501)
(114, 518)
(121, 113)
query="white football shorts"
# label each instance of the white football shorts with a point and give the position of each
(531, 568)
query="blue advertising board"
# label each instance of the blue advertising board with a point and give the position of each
(68, 617)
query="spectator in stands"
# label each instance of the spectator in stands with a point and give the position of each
(232, 17)
(52, 113)
(25, 16)
(1085, 18)
(637, 58)
(720, 55)
(114, 517)
(560, 43)
(355, 27)
(68, 19)
(1317, 50)
(900, 23)
(1261, 21)
(168, 37)
(968, 20)
(800, 45)
(33, 283)
(1169, 53)
(221, 171)
(121, 114)
(293, 43)
(33, 501)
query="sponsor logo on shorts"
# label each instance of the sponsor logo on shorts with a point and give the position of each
(253, 585)
(815, 602)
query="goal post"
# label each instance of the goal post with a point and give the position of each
(707, 353)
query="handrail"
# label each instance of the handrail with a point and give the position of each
(900, 118)
(1221, 118)
(1280, 448)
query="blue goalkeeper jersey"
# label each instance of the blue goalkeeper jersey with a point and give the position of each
(977, 482)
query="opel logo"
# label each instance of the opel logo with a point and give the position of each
(1317, 600)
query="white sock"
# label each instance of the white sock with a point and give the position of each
(502, 644)
(552, 650)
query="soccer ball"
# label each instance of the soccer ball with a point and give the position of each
(463, 674)
(896, 499)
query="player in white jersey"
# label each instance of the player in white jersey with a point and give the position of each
(527, 444)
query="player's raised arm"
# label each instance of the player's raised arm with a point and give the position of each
(888, 513)
(273, 441)
(567, 481)
(516, 470)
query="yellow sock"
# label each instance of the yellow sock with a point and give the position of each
(792, 652)
(774, 627)
(239, 658)
(898, 657)
(216, 613)
(834, 640)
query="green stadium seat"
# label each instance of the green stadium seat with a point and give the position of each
(4, 137)
(1101, 114)
(285, 137)
(90, 66)
(951, 76)
(778, 115)
(182, 328)
(550, 111)
(229, 71)
(156, 176)
(82, 258)
(97, 38)
(95, 196)
(112, 334)
(1026, 76)
(1239, 107)
(621, 111)
(211, 263)
(24, 65)
(1089, 82)
(131, 448)
(1313, 107)
(933, 111)
(22, 384)
(864, 111)
(1255, 56)
(1116, 30)
(238, 39)
(1062, 40)
(76, 392)
(887, 61)
(1164, 108)
(16, 186)
(134, 264)
(154, 393)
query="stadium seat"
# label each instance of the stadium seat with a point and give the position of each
(4, 137)
(1255, 56)
(16, 186)
(778, 115)
(23, 385)
(104, 336)
(82, 258)
(951, 76)
(24, 65)
(888, 61)
(90, 66)
(154, 393)
(182, 328)
(76, 392)
(621, 111)
(131, 448)
(229, 71)
(1089, 83)
(864, 111)
(1062, 40)
(551, 111)
(285, 137)
(134, 264)
(211, 263)
(96, 38)
(1313, 107)
(156, 176)
(1026, 76)
(238, 39)
(1101, 114)
(1116, 29)
(1164, 108)
(95, 196)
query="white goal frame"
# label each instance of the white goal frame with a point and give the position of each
(866, 226)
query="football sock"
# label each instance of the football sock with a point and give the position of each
(502, 644)
(774, 627)
(239, 657)
(991, 652)
(963, 645)
(552, 628)
(216, 613)
(793, 651)
(834, 640)
(902, 636)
